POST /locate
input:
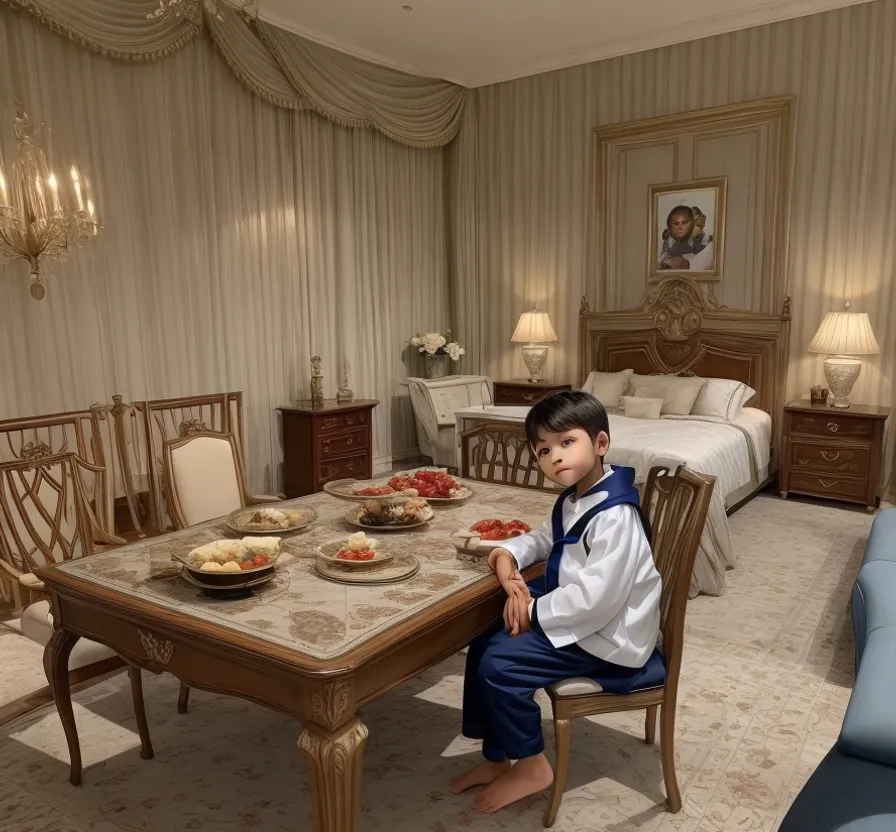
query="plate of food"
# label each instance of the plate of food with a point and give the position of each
(390, 516)
(490, 533)
(358, 550)
(232, 563)
(435, 485)
(265, 520)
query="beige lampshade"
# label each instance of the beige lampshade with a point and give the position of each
(534, 328)
(845, 333)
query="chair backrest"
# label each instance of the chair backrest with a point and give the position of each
(675, 506)
(203, 476)
(80, 432)
(500, 453)
(45, 516)
(143, 428)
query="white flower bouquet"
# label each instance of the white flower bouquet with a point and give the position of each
(438, 343)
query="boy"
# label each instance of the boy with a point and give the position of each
(594, 613)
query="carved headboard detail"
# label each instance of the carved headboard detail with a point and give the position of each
(678, 328)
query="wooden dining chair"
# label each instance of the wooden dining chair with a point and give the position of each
(203, 475)
(46, 518)
(500, 453)
(675, 506)
(204, 478)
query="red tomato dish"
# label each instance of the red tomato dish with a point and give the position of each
(493, 529)
(348, 554)
(436, 484)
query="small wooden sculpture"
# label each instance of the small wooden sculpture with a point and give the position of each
(345, 394)
(317, 384)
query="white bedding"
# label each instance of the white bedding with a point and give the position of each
(737, 453)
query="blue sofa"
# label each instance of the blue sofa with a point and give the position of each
(854, 788)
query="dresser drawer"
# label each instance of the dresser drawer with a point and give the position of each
(831, 424)
(508, 394)
(338, 422)
(344, 468)
(831, 486)
(829, 458)
(343, 443)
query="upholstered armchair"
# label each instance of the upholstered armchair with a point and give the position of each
(204, 478)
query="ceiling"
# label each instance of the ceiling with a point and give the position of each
(478, 42)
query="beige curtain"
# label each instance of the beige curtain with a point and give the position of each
(280, 66)
(239, 240)
(523, 182)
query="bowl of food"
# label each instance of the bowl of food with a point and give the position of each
(232, 563)
(266, 520)
(490, 533)
(357, 551)
(390, 516)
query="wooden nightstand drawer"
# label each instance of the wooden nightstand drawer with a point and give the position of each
(343, 443)
(830, 423)
(832, 487)
(341, 421)
(523, 392)
(830, 458)
(337, 469)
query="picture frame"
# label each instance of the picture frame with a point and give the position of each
(686, 229)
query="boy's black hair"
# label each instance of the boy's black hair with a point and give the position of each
(567, 410)
(679, 209)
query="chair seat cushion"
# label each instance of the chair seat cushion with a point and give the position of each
(653, 677)
(37, 624)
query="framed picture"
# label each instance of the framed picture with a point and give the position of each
(687, 229)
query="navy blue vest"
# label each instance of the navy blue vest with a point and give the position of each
(620, 488)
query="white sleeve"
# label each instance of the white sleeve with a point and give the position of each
(601, 587)
(531, 548)
(702, 261)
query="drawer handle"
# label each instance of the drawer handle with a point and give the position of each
(802, 461)
(827, 484)
(830, 457)
(329, 423)
(349, 440)
(528, 397)
(833, 427)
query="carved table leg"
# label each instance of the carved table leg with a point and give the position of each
(335, 762)
(146, 751)
(56, 655)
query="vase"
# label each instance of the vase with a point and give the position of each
(435, 366)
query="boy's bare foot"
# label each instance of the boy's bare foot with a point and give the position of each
(529, 776)
(479, 775)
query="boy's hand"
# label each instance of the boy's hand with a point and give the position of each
(516, 610)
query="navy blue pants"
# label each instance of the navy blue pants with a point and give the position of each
(501, 678)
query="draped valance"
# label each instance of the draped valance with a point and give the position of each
(281, 67)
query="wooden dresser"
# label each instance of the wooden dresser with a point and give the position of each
(523, 391)
(833, 453)
(332, 443)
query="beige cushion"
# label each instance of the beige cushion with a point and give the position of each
(678, 394)
(575, 687)
(607, 388)
(719, 397)
(636, 408)
(205, 478)
(37, 624)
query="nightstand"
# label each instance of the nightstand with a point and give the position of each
(523, 391)
(833, 453)
(334, 442)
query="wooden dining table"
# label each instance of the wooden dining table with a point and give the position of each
(301, 645)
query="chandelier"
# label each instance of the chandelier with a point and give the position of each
(41, 216)
(187, 8)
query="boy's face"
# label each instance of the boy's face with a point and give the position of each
(681, 225)
(569, 456)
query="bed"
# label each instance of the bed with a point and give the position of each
(678, 329)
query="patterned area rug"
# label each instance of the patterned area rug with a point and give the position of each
(765, 682)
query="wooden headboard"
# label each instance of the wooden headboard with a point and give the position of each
(680, 329)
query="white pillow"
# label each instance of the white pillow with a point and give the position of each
(677, 392)
(637, 408)
(748, 393)
(607, 388)
(719, 397)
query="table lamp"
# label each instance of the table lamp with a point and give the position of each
(534, 328)
(841, 335)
